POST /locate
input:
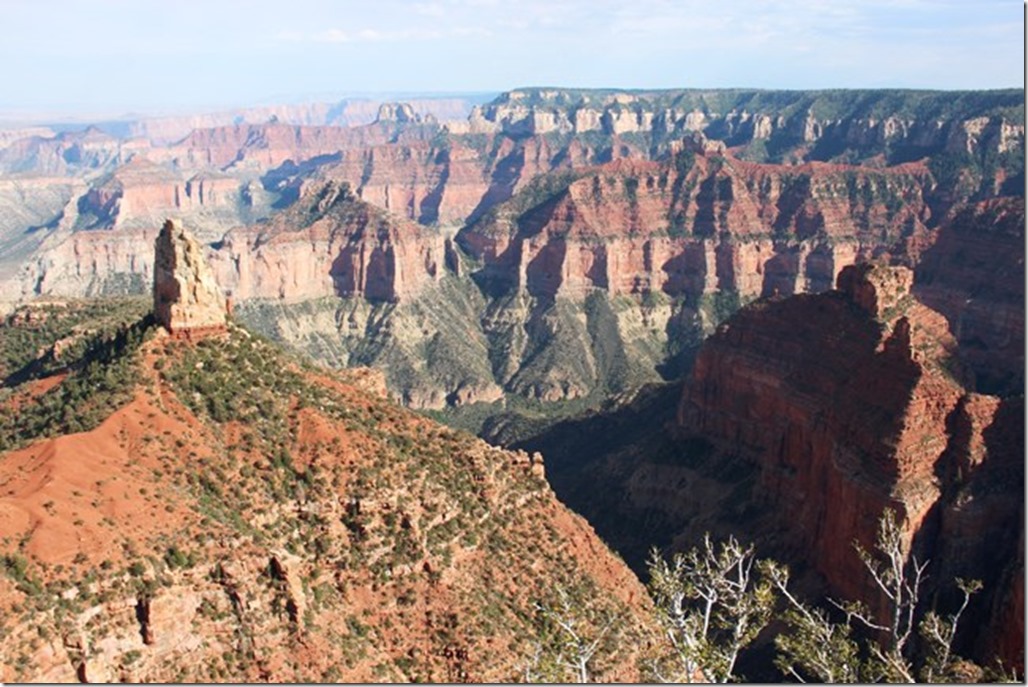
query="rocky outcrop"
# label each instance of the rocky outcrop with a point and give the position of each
(186, 297)
(401, 113)
(878, 291)
(330, 244)
(851, 402)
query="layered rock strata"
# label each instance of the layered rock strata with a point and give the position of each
(331, 244)
(672, 247)
(801, 125)
(702, 223)
(851, 402)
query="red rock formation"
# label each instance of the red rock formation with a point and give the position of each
(419, 181)
(849, 403)
(703, 223)
(137, 190)
(455, 179)
(331, 243)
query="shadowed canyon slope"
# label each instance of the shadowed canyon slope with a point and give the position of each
(974, 275)
(802, 420)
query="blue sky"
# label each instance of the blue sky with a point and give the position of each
(91, 57)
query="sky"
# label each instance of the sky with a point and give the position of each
(112, 57)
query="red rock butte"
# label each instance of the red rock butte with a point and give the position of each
(186, 298)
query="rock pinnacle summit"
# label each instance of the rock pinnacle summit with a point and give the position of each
(186, 297)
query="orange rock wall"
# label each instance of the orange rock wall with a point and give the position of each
(720, 225)
(849, 403)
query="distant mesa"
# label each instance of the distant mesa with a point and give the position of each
(186, 297)
(399, 113)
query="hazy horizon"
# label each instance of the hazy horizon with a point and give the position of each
(108, 58)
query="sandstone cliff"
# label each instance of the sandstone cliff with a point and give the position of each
(701, 223)
(331, 244)
(452, 179)
(139, 190)
(420, 181)
(974, 141)
(353, 285)
(777, 125)
(851, 402)
(803, 418)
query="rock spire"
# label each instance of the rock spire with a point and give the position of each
(186, 297)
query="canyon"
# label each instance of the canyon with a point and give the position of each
(665, 248)
(803, 419)
(440, 169)
(764, 314)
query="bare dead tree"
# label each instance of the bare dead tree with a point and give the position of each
(711, 604)
(820, 648)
